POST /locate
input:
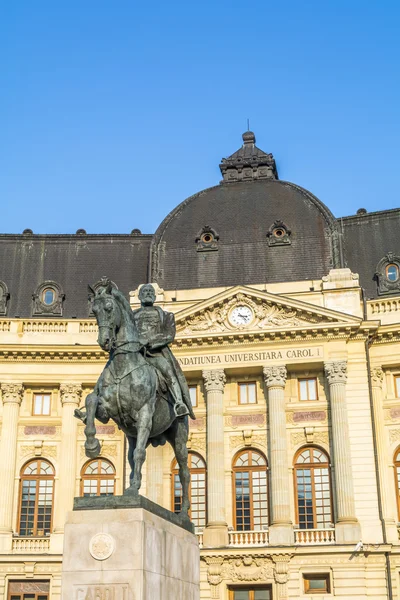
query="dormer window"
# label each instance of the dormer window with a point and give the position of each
(48, 299)
(388, 274)
(279, 234)
(207, 239)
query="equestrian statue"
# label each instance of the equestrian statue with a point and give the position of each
(142, 387)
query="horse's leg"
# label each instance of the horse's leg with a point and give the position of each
(143, 428)
(177, 436)
(92, 444)
(131, 450)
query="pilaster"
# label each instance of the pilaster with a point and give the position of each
(12, 394)
(387, 499)
(281, 530)
(347, 526)
(216, 532)
(70, 395)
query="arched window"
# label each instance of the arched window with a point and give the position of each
(250, 490)
(36, 498)
(397, 476)
(98, 478)
(313, 489)
(197, 489)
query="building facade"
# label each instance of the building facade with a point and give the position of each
(288, 331)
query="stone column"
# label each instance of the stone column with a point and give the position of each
(216, 532)
(12, 397)
(281, 529)
(70, 394)
(347, 527)
(387, 499)
(154, 475)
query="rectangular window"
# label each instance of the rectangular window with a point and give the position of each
(308, 389)
(193, 395)
(317, 583)
(254, 593)
(41, 404)
(397, 386)
(247, 393)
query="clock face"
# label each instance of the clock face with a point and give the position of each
(241, 315)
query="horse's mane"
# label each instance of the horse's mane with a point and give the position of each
(122, 300)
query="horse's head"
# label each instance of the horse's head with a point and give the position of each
(108, 315)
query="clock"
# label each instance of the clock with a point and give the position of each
(241, 315)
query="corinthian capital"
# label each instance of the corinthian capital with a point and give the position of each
(214, 380)
(12, 392)
(275, 376)
(336, 371)
(70, 393)
(377, 377)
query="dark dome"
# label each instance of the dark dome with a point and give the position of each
(247, 232)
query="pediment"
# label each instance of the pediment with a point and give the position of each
(244, 309)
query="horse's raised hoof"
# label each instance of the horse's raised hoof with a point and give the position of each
(131, 491)
(92, 450)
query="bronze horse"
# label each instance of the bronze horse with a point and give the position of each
(130, 393)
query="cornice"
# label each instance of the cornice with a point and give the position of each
(323, 331)
(386, 334)
(71, 354)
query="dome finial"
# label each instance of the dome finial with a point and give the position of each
(248, 138)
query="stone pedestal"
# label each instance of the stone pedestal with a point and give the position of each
(123, 548)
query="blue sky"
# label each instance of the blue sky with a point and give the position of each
(111, 113)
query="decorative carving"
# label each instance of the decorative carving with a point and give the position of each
(4, 296)
(207, 239)
(300, 437)
(281, 569)
(214, 380)
(12, 392)
(377, 377)
(70, 393)
(275, 376)
(214, 573)
(267, 315)
(109, 450)
(40, 306)
(236, 441)
(248, 568)
(386, 285)
(101, 546)
(394, 435)
(336, 371)
(279, 234)
(196, 443)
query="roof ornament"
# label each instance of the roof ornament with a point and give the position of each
(248, 163)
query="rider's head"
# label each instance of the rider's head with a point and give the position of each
(147, 295)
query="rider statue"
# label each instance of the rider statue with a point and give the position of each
(156, 329)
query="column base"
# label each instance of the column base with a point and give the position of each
(347, 532)
(216, 535)
(6, 539)
(281, 534)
